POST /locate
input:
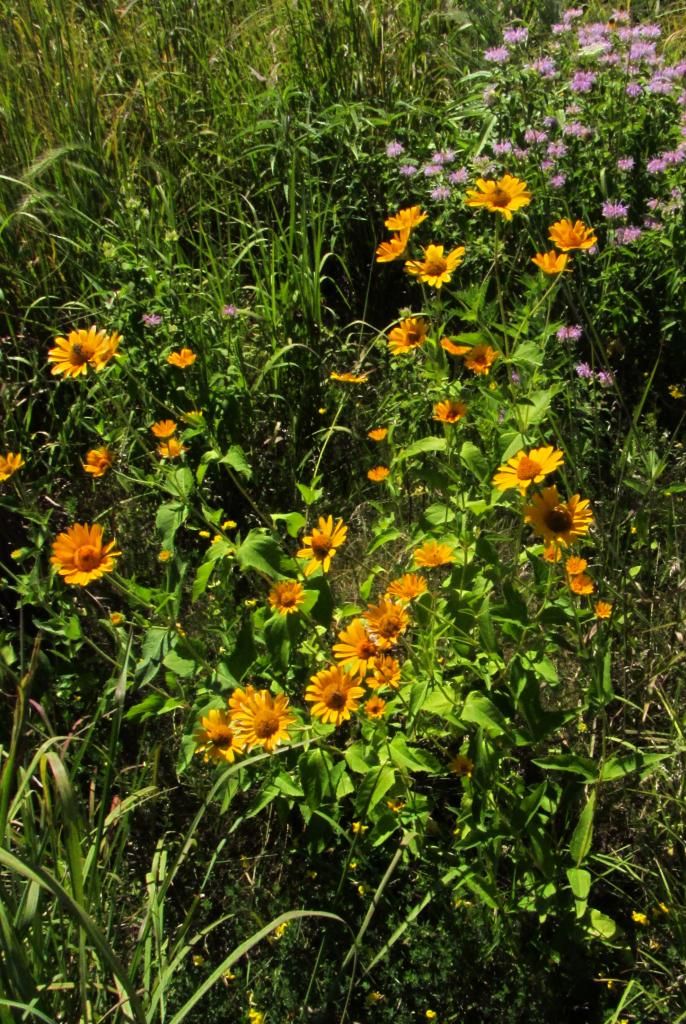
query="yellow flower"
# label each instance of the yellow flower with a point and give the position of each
(378, 474)
(349, 378)
(74, 354)
(164, 555)
(258, 719)
(386, 621)
(581, 583)
(194, 417)
(98, 461)
(408, 587)
(575, 566)
(675, 391)
(409, 334)
(386, 672)
(378, 434)
(504, 196)
(452, 348)
(526, 468)
(480, 358)
(9, 464)
(436, 269)
(286, 597)
(334, 695)
(320, 546)
(358, 828)
(116, 618)
(356, 649)
(164, 428)
(183, 358)
(551, 262)
(639, 917)
(603, 609)
(215, 739)
(80, 556)
(375, 707)
(255, 1016)
(395, 805)
(552, 552)
(567, 236)
(432, 554)
(431, 1015)
(394, 249)
(449, 411)
(171, 449)
(556, 520)
(462, 765)
(406, 220)
(229, 524)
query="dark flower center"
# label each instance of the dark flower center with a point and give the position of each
(266, 723)
(499, 197)
(559, 519)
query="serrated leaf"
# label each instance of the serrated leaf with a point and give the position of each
(182, 667)
(261, 551)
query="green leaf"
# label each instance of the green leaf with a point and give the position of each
(202, 578)
(425, 444)
(481, 711)
(316, 770)
(373, 788)
(261, 551)
(528, 353)
(619, 765)
(235, 458)
(535, 409)
(355, 759)
(437, 515)
(602, 925)
(310, 494)
(294, 521)
(183, 667)
(243, 654)
(474, 460)
(179, 482)
(580, 882)
(580, 843)
(168, 520)
(413, 758)
(573, 763)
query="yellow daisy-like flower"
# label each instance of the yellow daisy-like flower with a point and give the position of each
(581, 583)
(375, 707)
(406, 220)
(171, 449)
(334, 695)
(378, 474)
(449, 411)
(394, 249)
(575, 566)
(452, 348)
(183, 358)
(567, 235)
(386, 672)
(378, 434)
(80, 349)
(80, 556)
(432, 554)
(558, 521)
(480, 358)
(164, 555)
(603, 609)
(164, 428)
(408, 587)
(639, 917)
(527, 468)
(349, 378)
(505, 196)
(356, 650)
(462, 765)
(286, 597)
(215, 738)
(320, 546)
(551, 262)
(386, 621)
(98, 461)
(116, 618)
(410, 333)
(552, 552)
(9, 464)
(259, 719)
(675, 391)
(436, 269)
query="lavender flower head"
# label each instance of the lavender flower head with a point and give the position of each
(501, 148)
(407, 170)
(230, 310)
(151, 319)
(615, 211)
(459, 177)
(558, 180)
(584, 371)
(633, 90)
(625, 163)
(605, 378)
(577, 130)
(394, 149)
(497, 55)
(440, 192)
(443, 156)
(571, 333)
(547, 165)
(430, 170)
(534, 137)
(583, 81)
(628, 235)
(512, 36)
(545, 66)
(556, 150)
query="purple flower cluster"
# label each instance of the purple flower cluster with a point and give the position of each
(440, 192)
(408, 170)
(151, 319)
(625, 236)
(571, 333)
(497, 55)
(431, 170)
(576, 130)
(615, 211)
(605, 378)
(558, 180)
(459, 177)
(625, 163)
(583, 81)
(512, 36)
(501, 148)
(533, 137)
(556, 150)
(443, 156)
(545, 66)
(230, 310)
(394, 148)
(633, 90)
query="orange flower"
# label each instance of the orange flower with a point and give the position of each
(80, 556)
(386, 621)
(406, 220)
(258, 719)
(171, 449)
(552, 552)
(480, 358)
(74, 354)
(436, 269)
(432, 554)
(462, 765)
(98, 461)
(183, 358)
(215, 738)
(556, 520)
(164, 428)
(408, 587)
(603, 609)
(9, 464)
(505, 196)
(386, 672)
(378, 434)
(378, 474)
(356, 648)
(286, 597)
(568, 236)
(449, 411)
(320, 546)
(409, 334)
(574, 566)
(452, 348)
(581, 584)
(551, 262)
(375, 707)
(394, 249)
(334, 695)
(349, 378)
(526, 468)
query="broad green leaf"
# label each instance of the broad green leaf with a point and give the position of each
(602, 925)
(573, 763)
(425, 444)
(373, 788)
(168, 520)
(294, 521)
(261, 551)
(580, 843)
(481, 711)
(413, 758)
(619, 765)
(235, 458)
(580, 882)
(183, 667)
(473, 459)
